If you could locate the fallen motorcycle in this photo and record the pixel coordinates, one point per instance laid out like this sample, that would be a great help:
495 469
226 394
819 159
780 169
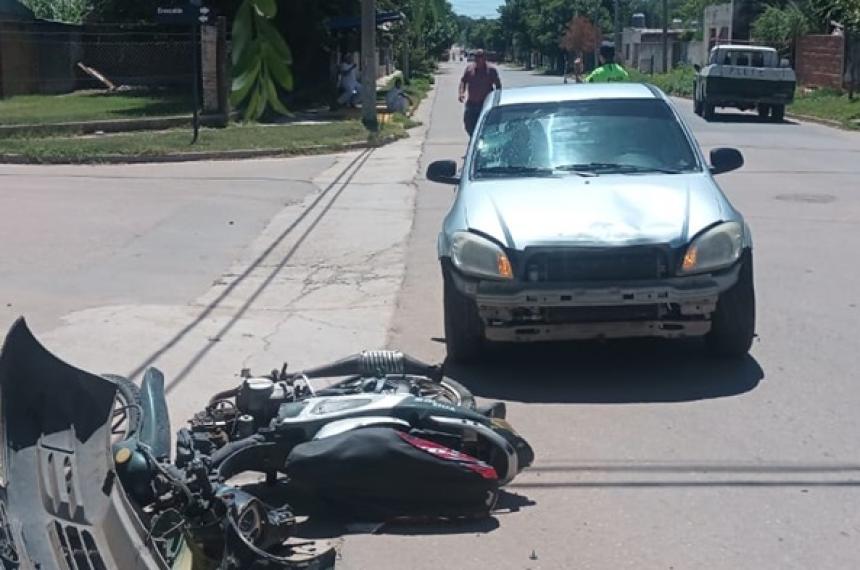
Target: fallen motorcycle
88 458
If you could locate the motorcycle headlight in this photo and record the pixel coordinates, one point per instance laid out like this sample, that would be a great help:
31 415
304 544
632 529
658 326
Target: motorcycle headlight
715 249
479 257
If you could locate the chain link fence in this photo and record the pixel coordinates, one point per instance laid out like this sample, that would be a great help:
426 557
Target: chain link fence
52 58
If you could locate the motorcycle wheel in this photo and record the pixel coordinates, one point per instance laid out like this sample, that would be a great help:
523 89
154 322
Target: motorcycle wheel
126 409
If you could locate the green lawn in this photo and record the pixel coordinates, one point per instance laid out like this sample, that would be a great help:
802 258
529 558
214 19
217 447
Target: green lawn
282 138
826 104
89 106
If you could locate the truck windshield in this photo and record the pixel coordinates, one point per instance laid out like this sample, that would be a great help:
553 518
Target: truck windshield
597 136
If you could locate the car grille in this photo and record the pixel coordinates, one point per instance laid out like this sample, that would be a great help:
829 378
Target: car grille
589 265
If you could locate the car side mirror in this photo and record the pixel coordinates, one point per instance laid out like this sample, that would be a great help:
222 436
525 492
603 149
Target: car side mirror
725 160
784 63
697 67
443 171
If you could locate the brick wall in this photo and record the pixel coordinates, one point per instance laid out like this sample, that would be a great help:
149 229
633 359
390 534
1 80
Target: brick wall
819 61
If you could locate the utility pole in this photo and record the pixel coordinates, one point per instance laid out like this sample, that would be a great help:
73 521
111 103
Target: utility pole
368 65
619 56
665 36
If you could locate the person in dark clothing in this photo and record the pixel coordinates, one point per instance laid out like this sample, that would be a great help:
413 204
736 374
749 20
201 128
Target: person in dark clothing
478 81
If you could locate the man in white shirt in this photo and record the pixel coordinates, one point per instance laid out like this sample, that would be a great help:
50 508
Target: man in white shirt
349 84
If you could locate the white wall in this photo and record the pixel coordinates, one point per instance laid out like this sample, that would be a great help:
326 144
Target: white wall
697 52
717 23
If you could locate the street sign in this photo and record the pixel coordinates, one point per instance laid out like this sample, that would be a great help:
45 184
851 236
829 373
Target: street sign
191 14
183 15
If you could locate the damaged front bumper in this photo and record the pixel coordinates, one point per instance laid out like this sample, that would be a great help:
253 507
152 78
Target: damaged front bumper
673 307
61 504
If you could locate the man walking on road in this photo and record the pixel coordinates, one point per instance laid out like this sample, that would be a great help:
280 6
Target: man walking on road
479 80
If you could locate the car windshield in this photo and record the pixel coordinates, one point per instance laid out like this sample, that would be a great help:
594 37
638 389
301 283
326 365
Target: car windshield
621 136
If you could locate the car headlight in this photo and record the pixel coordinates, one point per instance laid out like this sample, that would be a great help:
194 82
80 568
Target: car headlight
716 248
478 256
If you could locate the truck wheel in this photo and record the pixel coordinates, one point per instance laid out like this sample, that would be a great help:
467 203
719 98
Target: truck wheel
464 329
708 111
733 323
778 113
763 111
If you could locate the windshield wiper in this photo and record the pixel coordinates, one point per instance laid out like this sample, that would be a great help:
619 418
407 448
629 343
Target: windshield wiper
502 170
611 167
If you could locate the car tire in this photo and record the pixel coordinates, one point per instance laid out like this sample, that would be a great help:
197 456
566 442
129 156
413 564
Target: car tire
763 111
733 323
464 329
778 113
708 110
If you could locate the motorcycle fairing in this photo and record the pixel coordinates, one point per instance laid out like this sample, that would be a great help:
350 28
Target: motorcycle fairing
61 505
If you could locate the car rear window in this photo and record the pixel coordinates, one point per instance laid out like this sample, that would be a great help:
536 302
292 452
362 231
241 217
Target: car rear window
643 133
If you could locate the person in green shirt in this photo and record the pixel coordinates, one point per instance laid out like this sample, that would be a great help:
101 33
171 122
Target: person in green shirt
608 70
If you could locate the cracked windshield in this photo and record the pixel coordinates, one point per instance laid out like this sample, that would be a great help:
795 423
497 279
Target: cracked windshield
422 284
605 136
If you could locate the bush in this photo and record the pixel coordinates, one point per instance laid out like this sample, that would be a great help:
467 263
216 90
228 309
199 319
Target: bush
678 82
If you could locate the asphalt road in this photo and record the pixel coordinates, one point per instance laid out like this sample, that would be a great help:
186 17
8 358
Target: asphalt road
650 454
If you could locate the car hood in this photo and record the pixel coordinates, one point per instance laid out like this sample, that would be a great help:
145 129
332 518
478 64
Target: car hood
593 211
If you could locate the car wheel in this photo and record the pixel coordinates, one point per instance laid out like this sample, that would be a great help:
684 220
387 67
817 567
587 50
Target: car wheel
464 329
708 111
763 111
733 323
778 113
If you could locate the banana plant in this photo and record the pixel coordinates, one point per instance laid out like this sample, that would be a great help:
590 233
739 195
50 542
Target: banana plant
261 60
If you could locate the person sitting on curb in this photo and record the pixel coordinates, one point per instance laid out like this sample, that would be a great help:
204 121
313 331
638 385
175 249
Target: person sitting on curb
396 100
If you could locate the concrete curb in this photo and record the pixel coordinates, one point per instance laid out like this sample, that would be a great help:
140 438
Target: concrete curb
199 156
112 125
819 120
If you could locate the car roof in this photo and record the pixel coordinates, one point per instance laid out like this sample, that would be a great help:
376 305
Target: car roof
576 92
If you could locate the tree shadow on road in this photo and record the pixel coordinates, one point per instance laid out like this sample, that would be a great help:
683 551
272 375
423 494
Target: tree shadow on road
632 371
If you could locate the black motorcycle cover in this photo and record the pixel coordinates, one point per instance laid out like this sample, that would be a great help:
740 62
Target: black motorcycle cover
379 473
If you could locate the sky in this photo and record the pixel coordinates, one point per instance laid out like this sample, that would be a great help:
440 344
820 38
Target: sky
477 8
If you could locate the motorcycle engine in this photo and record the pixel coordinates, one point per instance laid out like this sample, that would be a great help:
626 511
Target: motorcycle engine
256 404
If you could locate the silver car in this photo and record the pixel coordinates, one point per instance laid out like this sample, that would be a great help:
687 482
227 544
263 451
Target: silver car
590 212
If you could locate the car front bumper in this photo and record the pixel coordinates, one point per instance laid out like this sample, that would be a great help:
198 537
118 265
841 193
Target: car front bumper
674 307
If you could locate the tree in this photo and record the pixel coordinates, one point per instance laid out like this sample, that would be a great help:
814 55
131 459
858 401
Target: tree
261 60
580 36
431 28
780 27
69 11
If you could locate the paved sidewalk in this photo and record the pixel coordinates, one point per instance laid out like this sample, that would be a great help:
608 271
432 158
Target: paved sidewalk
319 282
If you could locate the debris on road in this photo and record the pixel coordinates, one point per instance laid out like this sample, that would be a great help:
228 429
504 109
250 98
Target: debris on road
395 439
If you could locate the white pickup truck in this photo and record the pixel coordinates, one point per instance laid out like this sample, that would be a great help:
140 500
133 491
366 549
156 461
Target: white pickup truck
744 77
